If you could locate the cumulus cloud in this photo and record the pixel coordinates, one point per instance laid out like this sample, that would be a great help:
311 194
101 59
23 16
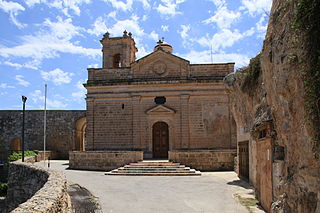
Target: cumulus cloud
154 36
54 38
13 9
223 17
34 64
199 57
220 40
57 76
165 28
254 7
64 5
184 31
21 81
80 94
38 98
127 4
169 7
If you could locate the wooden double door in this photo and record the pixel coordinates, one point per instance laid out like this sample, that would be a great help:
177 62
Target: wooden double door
160 139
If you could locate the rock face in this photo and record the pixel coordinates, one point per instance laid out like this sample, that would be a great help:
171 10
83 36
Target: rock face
277 94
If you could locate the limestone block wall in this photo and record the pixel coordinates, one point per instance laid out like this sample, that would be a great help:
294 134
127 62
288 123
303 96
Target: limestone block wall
61 125
108 74
102 160
211 69
205 160
34 189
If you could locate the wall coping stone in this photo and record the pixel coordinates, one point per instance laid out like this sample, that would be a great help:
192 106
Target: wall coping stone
51 198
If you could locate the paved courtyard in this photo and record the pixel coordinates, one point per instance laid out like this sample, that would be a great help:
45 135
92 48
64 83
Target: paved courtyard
211 192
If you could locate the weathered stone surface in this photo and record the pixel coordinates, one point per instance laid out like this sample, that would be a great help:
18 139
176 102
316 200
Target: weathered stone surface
34 189
205 160
61 126
280 90
102 160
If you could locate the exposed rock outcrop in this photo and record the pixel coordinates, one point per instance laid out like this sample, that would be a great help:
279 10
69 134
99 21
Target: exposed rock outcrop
279 92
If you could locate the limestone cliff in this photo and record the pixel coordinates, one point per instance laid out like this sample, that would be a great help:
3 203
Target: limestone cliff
282 85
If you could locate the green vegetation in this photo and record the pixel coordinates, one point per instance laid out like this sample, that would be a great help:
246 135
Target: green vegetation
3 189
18 155
247 202
307 22
250 80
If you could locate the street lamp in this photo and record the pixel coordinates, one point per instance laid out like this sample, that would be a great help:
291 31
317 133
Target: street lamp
24 99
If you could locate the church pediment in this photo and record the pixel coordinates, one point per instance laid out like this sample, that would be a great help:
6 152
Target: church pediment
160 110
160 64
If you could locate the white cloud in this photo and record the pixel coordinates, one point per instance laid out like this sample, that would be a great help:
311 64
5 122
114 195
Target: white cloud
57 76
224 38
219 3
199 57
184 31
223 17
169 7
63 5
113 15
13 9
154 36
120 5
99 27
53 39
256 6
81 92
127 4
93 66
38 98
21 81
5 86
165 28
34 64
262 25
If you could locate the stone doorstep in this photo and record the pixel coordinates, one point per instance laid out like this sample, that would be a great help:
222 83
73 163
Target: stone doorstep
155 171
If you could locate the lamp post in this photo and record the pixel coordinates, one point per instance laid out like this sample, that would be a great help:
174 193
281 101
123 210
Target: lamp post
24 99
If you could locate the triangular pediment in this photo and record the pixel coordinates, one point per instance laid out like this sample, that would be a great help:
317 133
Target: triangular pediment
160 54
160 110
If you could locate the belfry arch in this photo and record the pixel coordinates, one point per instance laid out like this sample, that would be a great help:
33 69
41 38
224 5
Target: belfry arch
80 134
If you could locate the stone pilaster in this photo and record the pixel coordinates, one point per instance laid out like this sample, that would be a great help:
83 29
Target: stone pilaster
136 124
184 122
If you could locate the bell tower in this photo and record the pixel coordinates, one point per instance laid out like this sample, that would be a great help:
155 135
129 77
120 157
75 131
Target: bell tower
118 51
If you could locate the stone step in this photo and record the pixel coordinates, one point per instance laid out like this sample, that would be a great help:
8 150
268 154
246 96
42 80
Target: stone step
156 174
154 171
154 168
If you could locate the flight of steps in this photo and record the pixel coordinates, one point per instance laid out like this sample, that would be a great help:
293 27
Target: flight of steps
154 168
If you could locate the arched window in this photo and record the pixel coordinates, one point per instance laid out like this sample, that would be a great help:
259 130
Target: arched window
116 60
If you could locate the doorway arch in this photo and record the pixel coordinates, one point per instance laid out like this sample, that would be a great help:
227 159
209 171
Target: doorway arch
80 138
160 140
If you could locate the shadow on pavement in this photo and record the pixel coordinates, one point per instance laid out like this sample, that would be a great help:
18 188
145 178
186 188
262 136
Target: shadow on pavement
241 183
82 201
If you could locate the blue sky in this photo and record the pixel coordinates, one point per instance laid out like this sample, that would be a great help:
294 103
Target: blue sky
53 42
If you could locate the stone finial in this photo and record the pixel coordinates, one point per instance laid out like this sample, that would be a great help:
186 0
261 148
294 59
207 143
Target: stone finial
125 34
106 35
159 42
130 35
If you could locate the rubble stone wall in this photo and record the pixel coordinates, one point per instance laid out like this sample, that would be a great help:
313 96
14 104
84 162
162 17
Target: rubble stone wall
205 160
61 126
34 189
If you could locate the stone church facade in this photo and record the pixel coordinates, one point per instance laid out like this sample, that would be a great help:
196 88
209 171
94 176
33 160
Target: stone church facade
158 104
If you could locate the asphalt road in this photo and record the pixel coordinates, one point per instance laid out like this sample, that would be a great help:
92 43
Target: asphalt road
210 193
